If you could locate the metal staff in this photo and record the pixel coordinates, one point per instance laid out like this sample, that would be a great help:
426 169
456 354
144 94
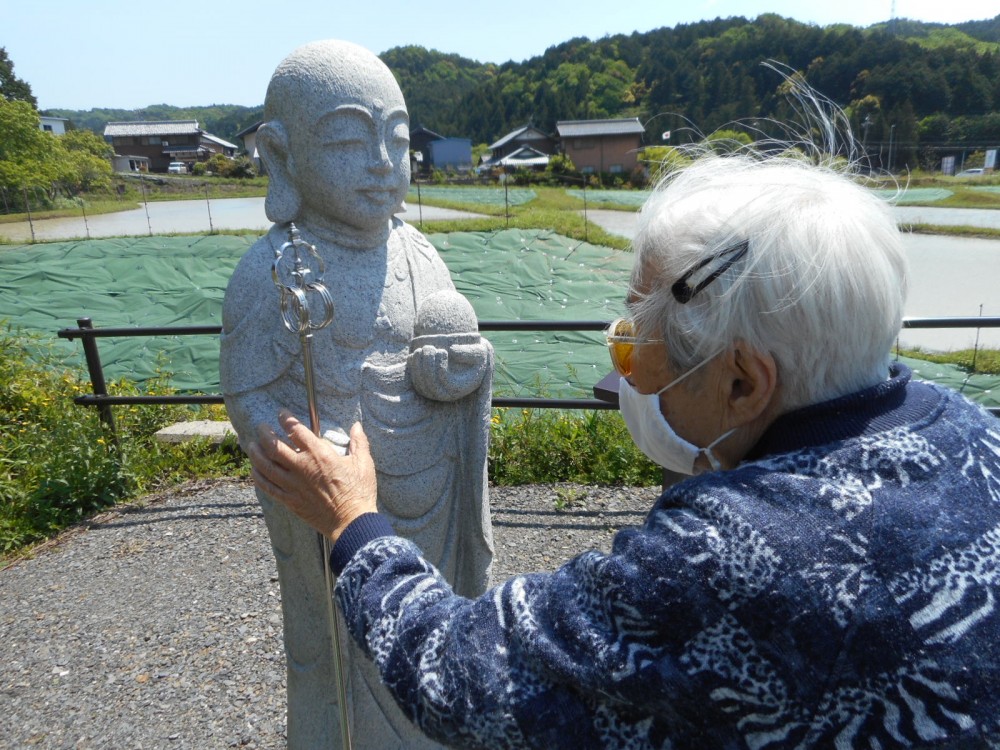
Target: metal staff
299 260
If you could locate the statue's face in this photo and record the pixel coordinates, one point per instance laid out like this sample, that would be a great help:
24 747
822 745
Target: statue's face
353 165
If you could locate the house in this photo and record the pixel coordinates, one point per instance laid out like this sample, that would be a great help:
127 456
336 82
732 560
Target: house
165 141
130 163
420 140
218 146
54 125
609 146
451 153
249 138
527 137
160 142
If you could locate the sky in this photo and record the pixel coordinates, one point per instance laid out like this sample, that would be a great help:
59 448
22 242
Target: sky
128 54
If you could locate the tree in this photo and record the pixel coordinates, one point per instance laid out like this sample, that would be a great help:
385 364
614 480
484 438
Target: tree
560 169
25 151
84 160
31 159
725 142
662 160
13 88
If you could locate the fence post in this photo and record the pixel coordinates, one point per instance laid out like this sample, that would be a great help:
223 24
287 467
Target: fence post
96 371
27 207
145 203
420 204
506 200
211 228
86 224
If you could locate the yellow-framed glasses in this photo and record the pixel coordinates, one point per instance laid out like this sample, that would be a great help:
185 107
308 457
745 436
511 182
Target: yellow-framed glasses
622 341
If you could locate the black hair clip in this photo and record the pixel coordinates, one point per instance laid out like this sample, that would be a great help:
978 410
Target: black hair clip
683 292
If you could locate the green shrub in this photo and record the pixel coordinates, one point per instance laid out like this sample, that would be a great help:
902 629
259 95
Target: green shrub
219 165
524 176
242 168
529 446
638 178
60 463
560 168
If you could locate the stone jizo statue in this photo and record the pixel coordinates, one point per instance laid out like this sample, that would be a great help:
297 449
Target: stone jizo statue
402 354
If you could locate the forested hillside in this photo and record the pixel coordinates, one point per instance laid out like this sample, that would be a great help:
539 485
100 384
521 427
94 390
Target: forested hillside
923 95
926 88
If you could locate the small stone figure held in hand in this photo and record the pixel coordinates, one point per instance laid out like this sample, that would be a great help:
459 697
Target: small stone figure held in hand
402 355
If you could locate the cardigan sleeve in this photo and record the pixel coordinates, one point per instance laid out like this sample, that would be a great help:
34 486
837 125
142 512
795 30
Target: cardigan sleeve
585 656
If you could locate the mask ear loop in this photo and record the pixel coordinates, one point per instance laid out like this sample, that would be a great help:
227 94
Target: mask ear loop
694 369
707 450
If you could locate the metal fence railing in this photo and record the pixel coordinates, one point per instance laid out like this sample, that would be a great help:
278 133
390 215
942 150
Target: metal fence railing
104 401
605 391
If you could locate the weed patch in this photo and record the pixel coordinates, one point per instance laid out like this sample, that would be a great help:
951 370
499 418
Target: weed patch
61 464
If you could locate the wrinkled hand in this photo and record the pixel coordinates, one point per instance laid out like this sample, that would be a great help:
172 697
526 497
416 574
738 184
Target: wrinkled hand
309 477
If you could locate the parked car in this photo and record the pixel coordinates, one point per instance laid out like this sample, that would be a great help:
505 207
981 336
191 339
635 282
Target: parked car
970 173
177 167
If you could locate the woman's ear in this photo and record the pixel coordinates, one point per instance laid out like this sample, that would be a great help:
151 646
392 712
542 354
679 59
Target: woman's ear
283 201
752 383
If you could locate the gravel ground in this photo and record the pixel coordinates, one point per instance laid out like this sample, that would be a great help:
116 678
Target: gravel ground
159 626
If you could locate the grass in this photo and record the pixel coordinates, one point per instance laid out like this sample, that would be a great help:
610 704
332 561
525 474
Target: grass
532 446
955 231
553 208
60 463
964 196
977 362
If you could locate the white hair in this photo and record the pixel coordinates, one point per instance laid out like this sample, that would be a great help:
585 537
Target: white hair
821 286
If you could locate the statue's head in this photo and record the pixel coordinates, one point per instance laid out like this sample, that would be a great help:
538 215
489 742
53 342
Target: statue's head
335 138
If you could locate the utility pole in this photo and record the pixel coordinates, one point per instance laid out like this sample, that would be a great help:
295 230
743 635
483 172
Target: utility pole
892 132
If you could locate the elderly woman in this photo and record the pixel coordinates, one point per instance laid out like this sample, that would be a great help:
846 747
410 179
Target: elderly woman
828 576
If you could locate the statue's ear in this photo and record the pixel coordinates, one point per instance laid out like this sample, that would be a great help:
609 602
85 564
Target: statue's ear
283 200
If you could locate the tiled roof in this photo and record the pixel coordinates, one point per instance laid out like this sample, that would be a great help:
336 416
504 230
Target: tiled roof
517 134
579 128
250 129
422 131
509 137
169 127
216 139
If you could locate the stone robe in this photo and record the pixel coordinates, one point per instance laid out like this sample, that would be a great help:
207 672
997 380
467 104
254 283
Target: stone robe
430 455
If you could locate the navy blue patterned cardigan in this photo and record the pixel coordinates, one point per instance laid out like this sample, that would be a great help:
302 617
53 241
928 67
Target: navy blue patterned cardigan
837 589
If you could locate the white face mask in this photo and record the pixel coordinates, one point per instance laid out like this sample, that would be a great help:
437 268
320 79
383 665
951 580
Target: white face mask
654 436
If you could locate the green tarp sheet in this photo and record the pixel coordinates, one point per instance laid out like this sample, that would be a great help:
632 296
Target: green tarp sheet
179 281
172 281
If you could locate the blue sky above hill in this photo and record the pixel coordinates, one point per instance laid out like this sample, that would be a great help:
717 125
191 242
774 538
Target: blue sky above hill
110 54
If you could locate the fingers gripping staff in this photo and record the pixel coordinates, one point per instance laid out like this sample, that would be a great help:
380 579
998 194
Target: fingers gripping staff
297 272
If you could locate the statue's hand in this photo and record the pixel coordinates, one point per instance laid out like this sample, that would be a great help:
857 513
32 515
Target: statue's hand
448 367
